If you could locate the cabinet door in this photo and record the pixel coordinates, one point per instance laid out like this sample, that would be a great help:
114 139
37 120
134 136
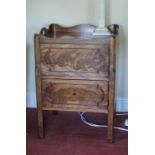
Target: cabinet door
75 94
75 61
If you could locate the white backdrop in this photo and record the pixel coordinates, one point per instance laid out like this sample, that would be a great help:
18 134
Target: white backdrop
70 12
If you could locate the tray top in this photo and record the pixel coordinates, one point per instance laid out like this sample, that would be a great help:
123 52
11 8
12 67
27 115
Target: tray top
81 31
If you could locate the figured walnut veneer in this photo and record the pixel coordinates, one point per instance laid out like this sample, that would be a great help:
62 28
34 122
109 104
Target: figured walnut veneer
74 93
75 62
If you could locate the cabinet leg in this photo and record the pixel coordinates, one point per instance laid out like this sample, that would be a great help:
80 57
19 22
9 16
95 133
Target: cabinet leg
110 128
40 124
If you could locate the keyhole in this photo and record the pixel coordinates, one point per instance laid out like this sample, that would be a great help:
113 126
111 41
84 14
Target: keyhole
74 93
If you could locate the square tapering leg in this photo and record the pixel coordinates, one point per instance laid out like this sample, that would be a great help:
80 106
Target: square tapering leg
110 128
40 124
